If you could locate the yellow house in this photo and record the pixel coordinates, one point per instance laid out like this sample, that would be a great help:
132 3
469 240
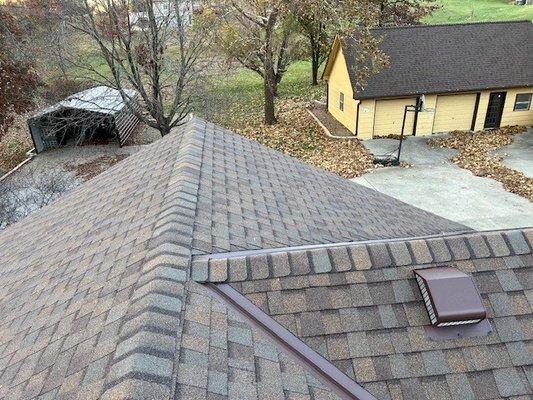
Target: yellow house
448 77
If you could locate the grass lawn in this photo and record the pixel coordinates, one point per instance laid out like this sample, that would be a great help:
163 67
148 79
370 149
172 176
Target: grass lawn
455 11
235 99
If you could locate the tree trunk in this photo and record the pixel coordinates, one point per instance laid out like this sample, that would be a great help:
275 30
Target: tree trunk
381 21
315 64
315 55
164 129
270 77
270 95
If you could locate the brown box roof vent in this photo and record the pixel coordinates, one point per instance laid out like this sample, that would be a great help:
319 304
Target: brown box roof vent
450 296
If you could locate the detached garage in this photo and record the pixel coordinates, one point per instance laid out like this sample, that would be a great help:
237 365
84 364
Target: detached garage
466 77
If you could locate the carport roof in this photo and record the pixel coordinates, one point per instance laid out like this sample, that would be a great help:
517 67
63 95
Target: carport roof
448 58
101 99
98 298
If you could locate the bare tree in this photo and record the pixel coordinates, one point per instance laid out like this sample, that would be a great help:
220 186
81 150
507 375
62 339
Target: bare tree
257 33
156 51
314 19
8 206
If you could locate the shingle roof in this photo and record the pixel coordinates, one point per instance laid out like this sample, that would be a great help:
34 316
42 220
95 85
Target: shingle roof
221 355
449 58
359 306
97 299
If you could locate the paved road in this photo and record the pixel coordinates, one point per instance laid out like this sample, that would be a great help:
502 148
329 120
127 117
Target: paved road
435 184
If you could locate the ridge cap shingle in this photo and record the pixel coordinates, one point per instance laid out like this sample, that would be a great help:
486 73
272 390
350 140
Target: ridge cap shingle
146 351
374 254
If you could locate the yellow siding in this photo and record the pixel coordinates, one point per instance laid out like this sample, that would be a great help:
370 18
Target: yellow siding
510 117
365 126
482 110
424 125
339 82
454 112
388 116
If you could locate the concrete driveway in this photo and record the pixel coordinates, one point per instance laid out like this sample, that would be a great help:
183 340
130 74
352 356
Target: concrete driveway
519 154
435 184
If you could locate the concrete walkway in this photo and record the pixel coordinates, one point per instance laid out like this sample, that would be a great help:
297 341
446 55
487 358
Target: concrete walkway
435 184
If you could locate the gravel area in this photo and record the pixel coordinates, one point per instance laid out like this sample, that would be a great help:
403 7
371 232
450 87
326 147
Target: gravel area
51 174
69 158
144 134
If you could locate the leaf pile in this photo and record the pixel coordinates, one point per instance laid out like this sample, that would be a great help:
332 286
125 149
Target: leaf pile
298 135
394 136
475 155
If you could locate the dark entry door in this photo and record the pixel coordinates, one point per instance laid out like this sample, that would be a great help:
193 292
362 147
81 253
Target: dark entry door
495 110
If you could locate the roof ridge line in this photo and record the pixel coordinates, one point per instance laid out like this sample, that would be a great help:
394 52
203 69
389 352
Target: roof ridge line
444 235
445 248
144 361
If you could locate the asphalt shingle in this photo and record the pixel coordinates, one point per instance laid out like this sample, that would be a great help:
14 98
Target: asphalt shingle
104 305
374 322
444 57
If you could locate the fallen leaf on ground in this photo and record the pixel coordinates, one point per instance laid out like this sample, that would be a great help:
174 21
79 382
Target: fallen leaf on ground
475 155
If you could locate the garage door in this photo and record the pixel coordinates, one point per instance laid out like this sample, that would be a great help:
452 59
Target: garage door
389 115
454 112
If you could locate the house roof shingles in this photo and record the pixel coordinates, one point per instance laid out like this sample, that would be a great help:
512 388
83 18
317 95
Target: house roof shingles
359 306
448 58
97 299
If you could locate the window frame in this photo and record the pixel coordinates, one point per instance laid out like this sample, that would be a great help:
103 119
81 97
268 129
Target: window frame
341 101
528 102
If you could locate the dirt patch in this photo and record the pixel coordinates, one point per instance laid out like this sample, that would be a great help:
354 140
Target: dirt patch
475 155
298 135
334 127
90 169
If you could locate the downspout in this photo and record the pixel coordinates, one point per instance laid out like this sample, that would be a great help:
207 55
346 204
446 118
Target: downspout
417 106
357 118
327 95
474 117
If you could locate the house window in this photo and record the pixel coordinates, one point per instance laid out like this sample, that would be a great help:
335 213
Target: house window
341 101
522 102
